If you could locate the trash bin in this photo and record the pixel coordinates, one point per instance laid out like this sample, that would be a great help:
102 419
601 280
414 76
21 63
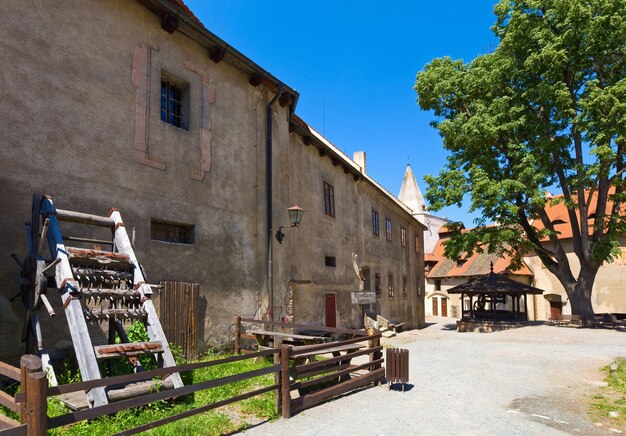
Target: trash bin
397 366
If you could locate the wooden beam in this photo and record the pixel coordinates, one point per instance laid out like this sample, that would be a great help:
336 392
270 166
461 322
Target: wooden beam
255 80
216 54
322 152
169 23
335 161
284 100
307 140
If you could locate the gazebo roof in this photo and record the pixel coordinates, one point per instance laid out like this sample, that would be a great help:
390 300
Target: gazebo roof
494 284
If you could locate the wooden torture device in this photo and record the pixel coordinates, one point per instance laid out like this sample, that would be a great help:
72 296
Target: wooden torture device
95 285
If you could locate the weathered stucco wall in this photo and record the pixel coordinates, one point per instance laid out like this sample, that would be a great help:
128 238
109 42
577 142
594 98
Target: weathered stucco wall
301 257
70 127
81 122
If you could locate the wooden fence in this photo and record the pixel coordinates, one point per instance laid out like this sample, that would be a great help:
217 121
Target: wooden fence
294 367
311 378
178 308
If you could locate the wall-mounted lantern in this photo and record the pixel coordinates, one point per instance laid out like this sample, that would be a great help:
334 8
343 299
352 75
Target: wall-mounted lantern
295 216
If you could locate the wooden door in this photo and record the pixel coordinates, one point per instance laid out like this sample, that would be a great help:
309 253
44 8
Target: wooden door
444 307
435 307
555 309
331 310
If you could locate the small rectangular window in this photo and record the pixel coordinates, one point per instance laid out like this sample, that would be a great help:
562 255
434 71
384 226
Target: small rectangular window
405 287
172 232
329 199
174 101
417 244
367 282
375 228
388 228
378 287
330 261
403 236
390 287
438 285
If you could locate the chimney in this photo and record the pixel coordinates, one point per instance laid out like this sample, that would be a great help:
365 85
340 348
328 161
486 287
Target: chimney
359 158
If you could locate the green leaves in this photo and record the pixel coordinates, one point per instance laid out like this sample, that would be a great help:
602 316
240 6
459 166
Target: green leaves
545 110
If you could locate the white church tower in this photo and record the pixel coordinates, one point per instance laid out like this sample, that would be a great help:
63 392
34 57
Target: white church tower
411 196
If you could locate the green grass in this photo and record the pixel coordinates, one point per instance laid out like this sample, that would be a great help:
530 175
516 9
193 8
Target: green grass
234 417
609 407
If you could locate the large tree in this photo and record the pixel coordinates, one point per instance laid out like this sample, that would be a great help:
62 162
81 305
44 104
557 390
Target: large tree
546 110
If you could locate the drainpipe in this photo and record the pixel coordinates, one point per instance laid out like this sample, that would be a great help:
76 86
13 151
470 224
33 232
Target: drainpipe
268 189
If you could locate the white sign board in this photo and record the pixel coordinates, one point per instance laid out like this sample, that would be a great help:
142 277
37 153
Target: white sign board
363 297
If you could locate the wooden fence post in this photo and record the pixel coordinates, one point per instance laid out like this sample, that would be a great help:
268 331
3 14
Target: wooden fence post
285 387
28 363
278 343
36 404
34 383
237 334
373 343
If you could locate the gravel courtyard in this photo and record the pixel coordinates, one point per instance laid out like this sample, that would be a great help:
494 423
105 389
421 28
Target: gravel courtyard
535 380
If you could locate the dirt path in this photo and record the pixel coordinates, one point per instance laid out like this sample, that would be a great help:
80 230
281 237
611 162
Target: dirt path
530 381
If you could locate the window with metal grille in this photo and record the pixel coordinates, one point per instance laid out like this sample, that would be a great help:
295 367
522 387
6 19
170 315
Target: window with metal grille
172 232
377 286
375 228
329 199
405 287
174 101
403 236
388 228
390 287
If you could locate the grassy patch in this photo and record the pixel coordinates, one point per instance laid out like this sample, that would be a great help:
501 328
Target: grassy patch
224 420
609 407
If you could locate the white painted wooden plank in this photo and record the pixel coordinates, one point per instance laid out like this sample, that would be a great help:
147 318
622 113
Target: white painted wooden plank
155 330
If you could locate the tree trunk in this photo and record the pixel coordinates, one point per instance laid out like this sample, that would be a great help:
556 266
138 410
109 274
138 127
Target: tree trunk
579 292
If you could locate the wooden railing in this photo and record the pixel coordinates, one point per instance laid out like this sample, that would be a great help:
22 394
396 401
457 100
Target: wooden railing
31 401
295 368
300 371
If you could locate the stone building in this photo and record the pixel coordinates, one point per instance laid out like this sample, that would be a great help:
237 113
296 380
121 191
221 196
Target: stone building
442 273
136 105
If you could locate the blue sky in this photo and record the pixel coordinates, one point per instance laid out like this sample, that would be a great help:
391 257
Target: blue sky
354 65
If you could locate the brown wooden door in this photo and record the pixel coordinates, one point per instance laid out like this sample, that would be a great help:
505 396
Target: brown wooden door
331 310
555 309
444 307
435 307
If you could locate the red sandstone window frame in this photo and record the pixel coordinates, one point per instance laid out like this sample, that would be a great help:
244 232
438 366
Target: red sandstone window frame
390 285
405 287
402 236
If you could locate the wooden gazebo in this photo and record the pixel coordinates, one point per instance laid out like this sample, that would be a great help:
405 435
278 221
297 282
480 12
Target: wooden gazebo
488 300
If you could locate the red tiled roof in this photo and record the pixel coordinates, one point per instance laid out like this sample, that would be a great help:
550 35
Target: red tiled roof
476 265
558 215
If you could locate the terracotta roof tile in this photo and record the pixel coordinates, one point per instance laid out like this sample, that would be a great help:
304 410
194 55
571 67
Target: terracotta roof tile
185 9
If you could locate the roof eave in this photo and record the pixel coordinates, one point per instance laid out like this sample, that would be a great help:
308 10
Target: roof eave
197 32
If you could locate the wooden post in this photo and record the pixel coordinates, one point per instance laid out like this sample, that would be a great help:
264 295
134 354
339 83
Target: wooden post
237 334
278 343
285 387
29 363
36 404
372 343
